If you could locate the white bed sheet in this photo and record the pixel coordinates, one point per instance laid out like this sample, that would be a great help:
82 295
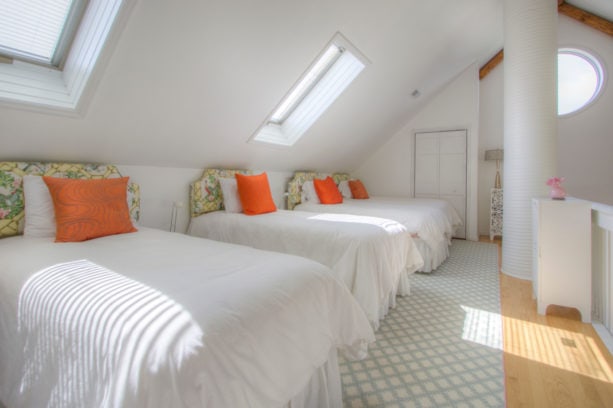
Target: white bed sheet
434 221
373 256
157 319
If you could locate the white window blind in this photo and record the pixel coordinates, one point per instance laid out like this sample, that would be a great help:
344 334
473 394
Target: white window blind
37 30
307 83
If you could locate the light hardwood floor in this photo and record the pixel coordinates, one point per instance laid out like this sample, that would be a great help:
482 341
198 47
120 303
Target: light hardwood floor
553 360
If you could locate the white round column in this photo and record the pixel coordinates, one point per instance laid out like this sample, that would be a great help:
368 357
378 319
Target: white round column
530 122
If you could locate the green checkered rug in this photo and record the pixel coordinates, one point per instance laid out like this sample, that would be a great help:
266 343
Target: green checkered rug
442 345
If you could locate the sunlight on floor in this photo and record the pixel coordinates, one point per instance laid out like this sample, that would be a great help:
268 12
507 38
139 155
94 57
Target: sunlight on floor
556 347
482 327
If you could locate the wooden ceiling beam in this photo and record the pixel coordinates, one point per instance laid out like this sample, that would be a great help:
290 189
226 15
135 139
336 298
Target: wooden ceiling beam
592 20
491 64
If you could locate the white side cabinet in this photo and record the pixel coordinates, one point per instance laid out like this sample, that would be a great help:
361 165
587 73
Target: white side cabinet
561 269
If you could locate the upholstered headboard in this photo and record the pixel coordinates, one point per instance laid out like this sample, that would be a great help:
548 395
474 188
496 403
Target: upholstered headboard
11 188
294 186
205 193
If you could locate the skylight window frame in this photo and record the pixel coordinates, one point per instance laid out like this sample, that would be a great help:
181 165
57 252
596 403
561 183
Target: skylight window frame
330 84
73 22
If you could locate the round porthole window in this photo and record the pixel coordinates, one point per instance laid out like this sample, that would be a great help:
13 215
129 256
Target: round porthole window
580 79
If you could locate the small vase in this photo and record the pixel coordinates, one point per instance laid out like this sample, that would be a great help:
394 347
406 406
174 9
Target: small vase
557 192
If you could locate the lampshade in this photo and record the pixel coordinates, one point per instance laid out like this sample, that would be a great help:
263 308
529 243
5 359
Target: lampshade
496 154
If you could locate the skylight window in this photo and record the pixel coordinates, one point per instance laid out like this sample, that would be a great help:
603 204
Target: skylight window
50 50
580 80
38 31
336 67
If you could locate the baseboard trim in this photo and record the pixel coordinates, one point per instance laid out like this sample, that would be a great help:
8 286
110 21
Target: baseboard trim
604 335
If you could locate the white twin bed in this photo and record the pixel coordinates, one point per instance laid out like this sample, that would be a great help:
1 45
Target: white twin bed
431 222
372 256
157 319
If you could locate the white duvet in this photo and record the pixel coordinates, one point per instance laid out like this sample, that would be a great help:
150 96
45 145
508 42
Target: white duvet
373 256
155 319
431 221
434 221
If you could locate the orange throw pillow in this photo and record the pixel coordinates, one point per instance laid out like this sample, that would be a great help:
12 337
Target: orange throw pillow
327 191
357 189
87 209
254 192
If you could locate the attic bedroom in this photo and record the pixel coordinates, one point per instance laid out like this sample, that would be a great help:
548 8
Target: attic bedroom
306 204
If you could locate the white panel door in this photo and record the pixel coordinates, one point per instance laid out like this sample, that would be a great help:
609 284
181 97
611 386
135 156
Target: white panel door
440 169
427 165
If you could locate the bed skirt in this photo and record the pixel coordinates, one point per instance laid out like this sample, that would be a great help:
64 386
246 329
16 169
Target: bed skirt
324 388
433 258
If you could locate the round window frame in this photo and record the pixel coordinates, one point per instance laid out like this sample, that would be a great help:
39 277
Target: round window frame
599 68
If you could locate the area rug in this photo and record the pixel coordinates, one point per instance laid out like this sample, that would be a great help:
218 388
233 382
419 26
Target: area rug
442 345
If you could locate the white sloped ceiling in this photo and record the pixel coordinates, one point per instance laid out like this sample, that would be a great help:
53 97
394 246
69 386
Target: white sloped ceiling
189 82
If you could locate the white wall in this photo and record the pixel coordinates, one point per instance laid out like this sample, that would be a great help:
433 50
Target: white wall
389 170
585 143
162 186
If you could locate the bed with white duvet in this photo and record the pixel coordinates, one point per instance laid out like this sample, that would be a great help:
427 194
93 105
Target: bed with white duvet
372 256
431 222
155 319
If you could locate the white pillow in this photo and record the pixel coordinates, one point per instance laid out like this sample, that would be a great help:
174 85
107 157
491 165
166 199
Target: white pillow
39 212
309 193
344 188
231 199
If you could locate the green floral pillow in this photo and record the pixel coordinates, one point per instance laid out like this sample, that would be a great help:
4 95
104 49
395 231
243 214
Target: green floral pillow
11 204
205 194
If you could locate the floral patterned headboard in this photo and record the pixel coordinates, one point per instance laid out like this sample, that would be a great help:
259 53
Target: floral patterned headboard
11 188
205 193
294 186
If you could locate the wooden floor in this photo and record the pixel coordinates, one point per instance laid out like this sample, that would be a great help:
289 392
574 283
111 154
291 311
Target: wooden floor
553 360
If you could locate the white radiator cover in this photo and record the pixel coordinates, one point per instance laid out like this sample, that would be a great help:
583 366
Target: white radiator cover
602 269
530 122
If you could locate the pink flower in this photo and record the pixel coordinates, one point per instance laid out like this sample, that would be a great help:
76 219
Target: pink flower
3 213
554 181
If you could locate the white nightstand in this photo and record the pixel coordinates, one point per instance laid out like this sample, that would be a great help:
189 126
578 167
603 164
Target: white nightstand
495 212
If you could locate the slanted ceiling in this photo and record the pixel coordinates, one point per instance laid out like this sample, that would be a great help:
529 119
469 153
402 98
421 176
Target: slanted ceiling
187 84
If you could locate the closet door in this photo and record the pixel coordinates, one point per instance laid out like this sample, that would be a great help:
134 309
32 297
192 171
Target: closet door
440 169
